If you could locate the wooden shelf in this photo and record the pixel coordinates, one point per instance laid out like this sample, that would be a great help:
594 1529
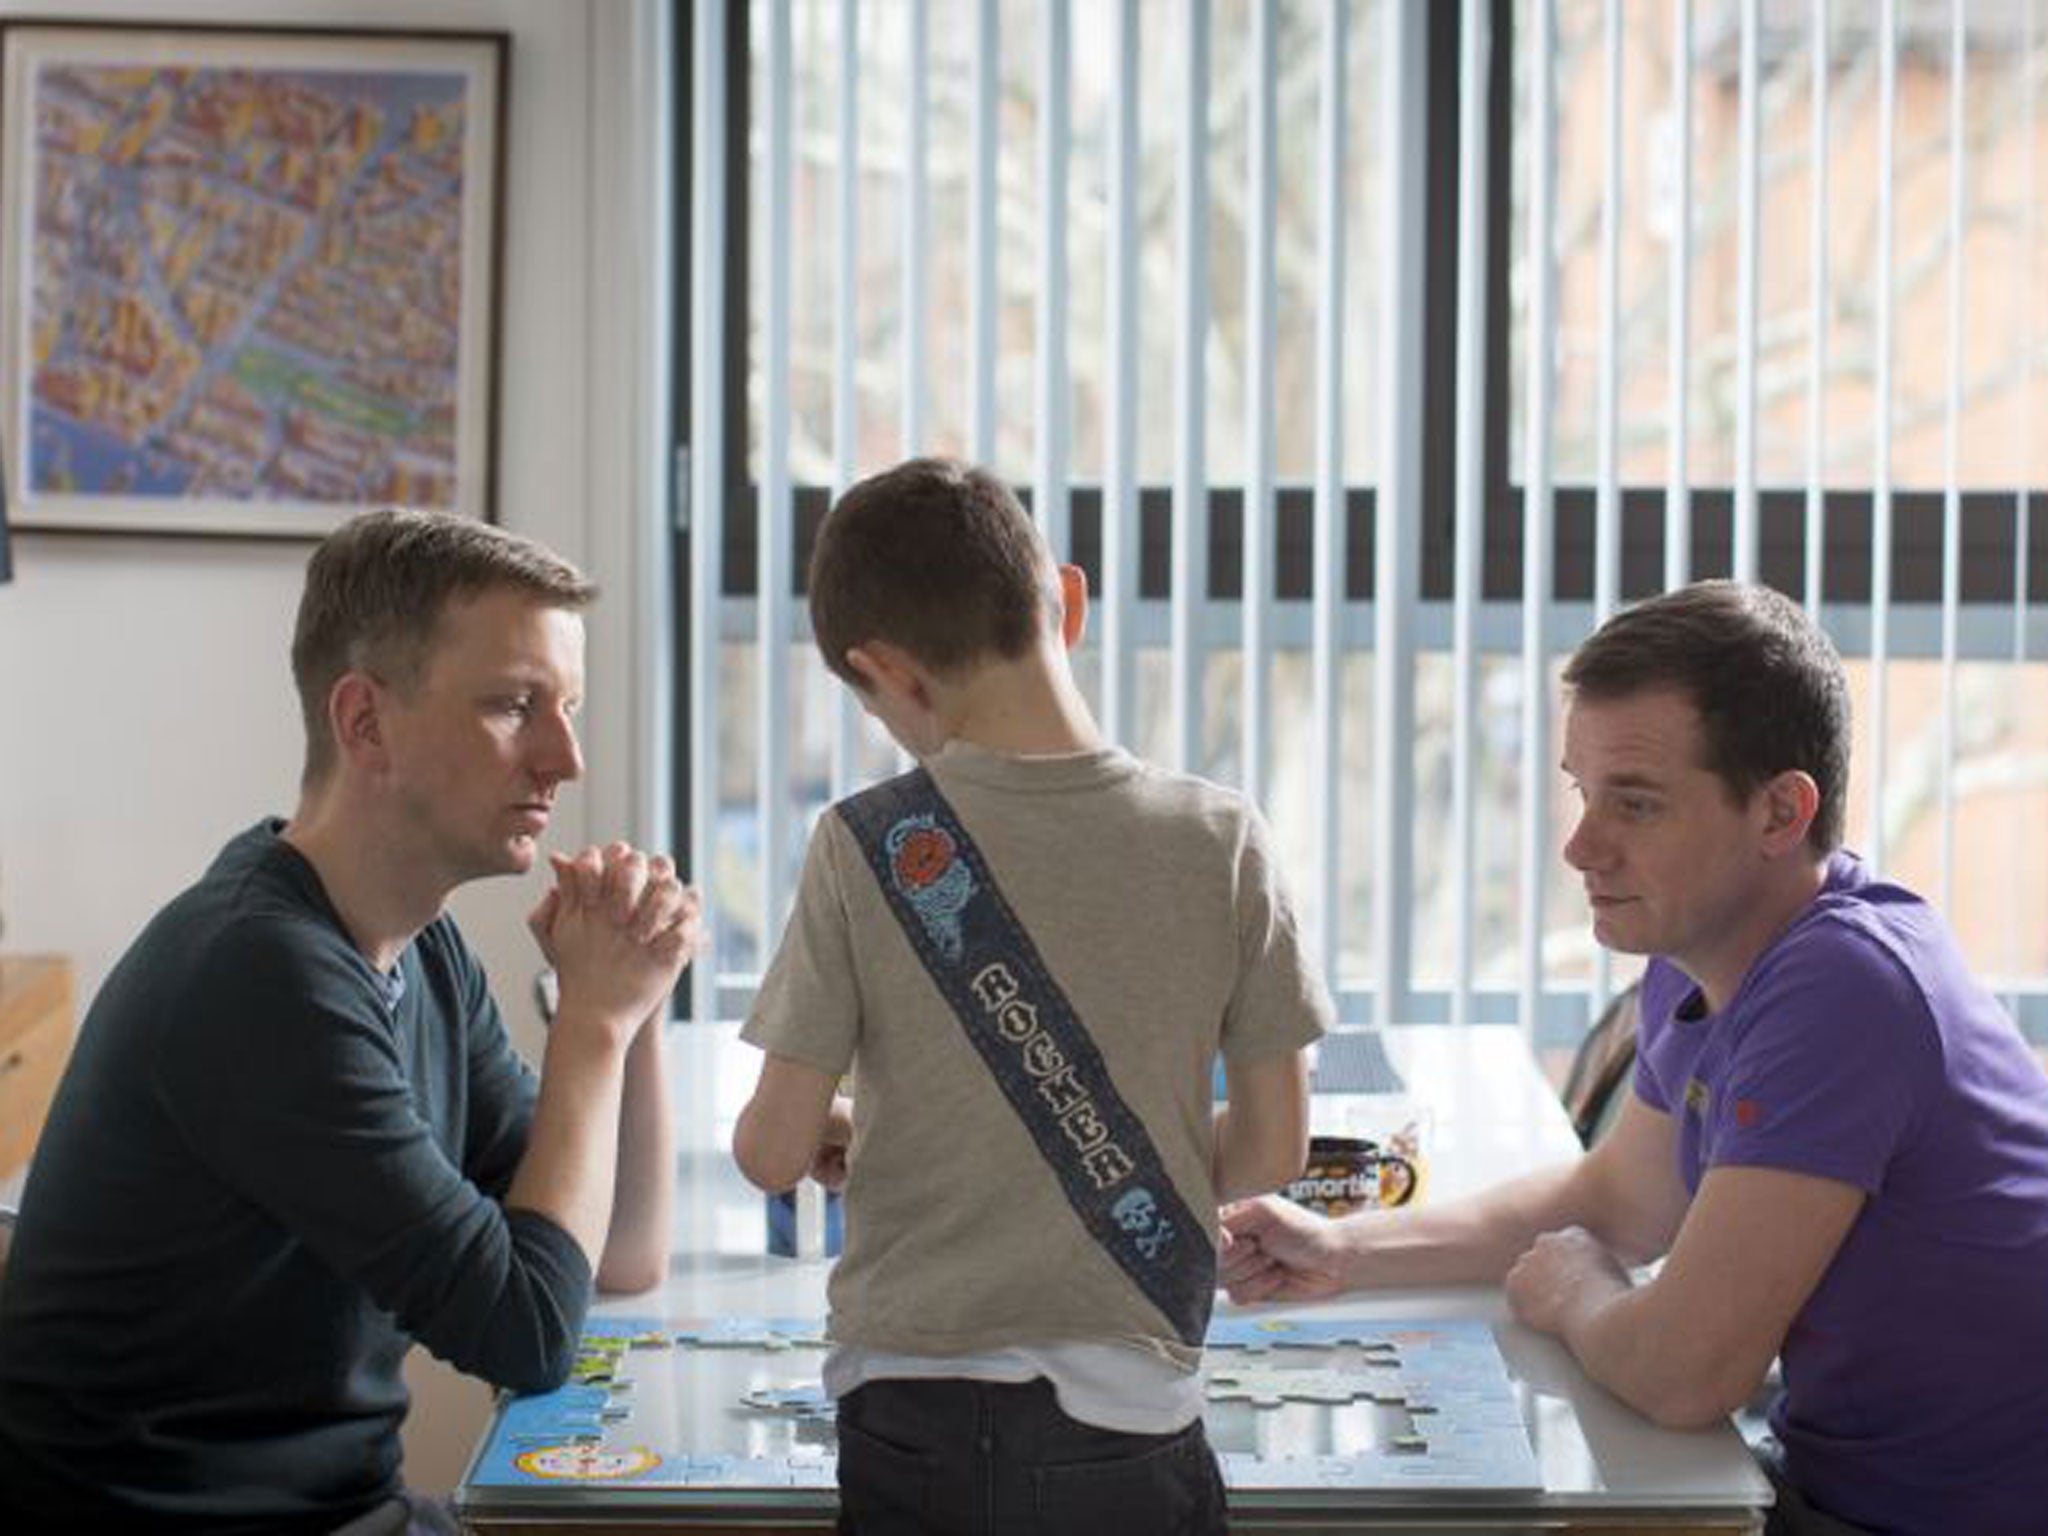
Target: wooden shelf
35 1041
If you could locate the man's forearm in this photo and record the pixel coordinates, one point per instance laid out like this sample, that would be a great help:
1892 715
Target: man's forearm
1615 1332
570 1168
1474 1240
636 1247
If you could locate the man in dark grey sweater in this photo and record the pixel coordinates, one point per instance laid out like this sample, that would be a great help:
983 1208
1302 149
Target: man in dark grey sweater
294 1138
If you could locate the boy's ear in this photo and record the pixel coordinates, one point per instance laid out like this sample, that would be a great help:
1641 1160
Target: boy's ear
1073 605
885 669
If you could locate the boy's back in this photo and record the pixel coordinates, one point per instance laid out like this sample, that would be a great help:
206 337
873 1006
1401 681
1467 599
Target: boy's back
1029 951
1151 899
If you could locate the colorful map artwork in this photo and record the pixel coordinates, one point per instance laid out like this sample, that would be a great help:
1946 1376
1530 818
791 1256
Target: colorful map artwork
247 284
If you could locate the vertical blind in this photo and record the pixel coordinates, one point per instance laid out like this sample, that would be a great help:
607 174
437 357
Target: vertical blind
1718 287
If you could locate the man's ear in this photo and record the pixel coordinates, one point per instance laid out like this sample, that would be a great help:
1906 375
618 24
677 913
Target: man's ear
355 707
1790 802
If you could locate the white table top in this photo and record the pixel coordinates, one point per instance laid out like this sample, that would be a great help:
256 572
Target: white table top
1488 1112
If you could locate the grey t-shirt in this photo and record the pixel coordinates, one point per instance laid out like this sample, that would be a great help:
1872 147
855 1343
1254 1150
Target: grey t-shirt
1153 899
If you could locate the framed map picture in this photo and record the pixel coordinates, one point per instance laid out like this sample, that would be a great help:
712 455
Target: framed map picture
248 278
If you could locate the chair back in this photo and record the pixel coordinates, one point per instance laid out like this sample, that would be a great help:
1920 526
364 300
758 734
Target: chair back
1599 1080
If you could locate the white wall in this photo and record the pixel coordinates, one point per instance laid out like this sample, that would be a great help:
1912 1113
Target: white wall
146 709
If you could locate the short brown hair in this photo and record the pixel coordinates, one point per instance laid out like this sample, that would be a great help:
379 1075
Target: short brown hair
934 556
1768 685
376 589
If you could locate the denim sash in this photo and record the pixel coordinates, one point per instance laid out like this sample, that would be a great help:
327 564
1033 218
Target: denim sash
1039 1052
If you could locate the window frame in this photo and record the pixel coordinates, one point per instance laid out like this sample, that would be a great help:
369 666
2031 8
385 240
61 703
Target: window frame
1986 577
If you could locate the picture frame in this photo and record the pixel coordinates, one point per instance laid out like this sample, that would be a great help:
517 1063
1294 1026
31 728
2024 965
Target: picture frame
249 276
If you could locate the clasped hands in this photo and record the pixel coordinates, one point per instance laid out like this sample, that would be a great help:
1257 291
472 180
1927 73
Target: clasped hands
618 926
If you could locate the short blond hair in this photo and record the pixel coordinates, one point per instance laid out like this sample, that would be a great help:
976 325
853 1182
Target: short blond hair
375 592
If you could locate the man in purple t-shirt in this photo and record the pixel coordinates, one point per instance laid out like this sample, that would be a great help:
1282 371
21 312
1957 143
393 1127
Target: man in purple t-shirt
1837 1143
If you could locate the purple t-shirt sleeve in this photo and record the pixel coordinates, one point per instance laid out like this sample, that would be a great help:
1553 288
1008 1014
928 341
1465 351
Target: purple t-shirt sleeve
1830 1045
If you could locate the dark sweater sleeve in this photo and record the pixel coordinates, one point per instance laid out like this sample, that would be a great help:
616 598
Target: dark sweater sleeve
499 1087
291 1085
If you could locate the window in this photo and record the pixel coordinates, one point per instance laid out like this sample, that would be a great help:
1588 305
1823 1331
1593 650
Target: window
991 228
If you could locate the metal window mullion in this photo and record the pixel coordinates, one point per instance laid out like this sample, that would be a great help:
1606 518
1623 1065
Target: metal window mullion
846 264
1054 145
1329 516
1120 519
1262 176
916 219
1817 348
1678 495
1474 70
1607 502
845 348
2018 856
1607 506
707 459
654 521
772 554
1190 585
983 299
1749 154
1881 483
1397 519
1952 496
1537 516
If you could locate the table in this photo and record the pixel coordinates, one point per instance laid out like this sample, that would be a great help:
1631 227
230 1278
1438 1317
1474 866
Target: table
1604 1468
35 1042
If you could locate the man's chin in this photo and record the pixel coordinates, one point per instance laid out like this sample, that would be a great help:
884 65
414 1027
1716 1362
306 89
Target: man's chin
1614 936
517 856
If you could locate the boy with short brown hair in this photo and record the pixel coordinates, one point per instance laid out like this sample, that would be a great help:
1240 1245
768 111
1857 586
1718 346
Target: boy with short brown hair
1031 949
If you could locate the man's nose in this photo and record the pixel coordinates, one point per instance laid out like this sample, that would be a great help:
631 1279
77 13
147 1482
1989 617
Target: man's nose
1582 849
560 757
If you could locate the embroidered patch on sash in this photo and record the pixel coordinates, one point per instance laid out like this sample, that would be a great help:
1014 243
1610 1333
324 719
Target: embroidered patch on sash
925 868
1138 1213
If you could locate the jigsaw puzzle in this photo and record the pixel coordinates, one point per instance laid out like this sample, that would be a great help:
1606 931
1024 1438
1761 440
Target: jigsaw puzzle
770 1333
734 1403
805 1402
1266 1387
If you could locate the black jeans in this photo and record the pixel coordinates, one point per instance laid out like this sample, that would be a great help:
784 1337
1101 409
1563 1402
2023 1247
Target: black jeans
405 1514
1791 1515
983 1458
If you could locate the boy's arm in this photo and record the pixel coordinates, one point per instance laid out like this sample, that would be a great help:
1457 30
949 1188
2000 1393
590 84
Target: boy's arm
784 1124
829 1167
1262 1131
